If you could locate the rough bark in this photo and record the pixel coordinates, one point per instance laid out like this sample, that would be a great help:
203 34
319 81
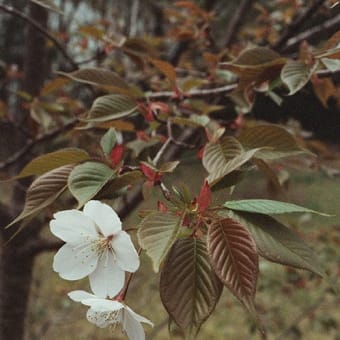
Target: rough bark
16 266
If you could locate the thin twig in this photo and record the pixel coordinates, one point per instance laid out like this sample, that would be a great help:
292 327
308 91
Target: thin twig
161 151
174 140
323 30
193 93
236 21
296 24
38 27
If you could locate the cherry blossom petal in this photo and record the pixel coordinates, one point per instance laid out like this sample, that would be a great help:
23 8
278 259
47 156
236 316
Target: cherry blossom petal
138 317
100 319
74 262
104 216
80 295
126 254
108 278
73 225
103 305
132 327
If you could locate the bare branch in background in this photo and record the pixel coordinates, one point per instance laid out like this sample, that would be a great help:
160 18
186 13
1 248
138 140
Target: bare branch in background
42 30
296 24
134 18
318 32
193 93
236 21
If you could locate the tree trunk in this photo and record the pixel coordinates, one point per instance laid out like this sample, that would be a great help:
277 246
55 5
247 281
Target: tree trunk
16 265
16 274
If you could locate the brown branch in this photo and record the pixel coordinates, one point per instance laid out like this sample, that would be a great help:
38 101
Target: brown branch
42 30
323 30
193 93
172 138
296 24
236 21
33 142
168 153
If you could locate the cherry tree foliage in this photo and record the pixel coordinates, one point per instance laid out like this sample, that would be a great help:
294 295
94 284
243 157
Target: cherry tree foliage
147 113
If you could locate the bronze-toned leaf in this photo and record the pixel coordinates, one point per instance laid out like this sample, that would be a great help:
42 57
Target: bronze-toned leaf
52 160
234 258
274 141
111 107
165 67
189 287
44 191
256 65
99 77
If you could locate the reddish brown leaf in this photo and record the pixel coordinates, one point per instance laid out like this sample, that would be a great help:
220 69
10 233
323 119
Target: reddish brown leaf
234 258
150 173
189 288
204 198
116 154
166 68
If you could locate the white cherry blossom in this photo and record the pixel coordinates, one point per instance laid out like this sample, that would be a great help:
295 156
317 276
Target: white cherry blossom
95 245
105 312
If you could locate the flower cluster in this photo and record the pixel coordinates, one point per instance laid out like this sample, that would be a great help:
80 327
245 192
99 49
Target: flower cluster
96 246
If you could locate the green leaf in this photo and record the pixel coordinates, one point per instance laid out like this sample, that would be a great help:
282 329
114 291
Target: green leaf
86 180
49 4
189 288
296 74
157 233
44 191
111 107
194 120
269 207
168 166
99 77
52 160
275 141
234 258
220 159
332 65
108 141
276 243
138 145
